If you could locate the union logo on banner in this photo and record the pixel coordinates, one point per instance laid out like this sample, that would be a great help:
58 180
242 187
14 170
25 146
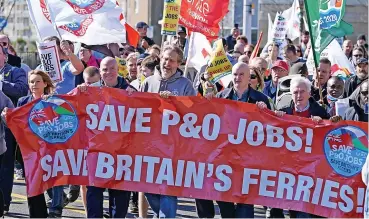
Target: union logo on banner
78 28
85 6
54 120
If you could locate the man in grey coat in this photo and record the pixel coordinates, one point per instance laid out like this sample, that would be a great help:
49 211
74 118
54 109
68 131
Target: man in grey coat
167 80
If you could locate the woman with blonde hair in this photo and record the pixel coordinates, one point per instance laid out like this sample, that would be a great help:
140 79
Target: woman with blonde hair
40 84
257 82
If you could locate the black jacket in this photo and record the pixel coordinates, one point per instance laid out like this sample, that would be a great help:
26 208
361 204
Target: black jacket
350 85
253 96
315 93
315 109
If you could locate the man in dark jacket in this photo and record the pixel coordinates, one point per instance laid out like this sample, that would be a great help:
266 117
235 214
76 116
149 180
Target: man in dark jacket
359 109
231 39
240 91
324 73
361 74
13 82
13 60
119 199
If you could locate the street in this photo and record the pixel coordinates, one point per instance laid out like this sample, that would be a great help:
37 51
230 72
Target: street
19 208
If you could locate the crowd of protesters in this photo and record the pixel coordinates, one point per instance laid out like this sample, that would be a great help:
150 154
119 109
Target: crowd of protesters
275 80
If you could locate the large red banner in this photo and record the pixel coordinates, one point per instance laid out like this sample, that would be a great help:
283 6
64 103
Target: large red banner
192 147
203 16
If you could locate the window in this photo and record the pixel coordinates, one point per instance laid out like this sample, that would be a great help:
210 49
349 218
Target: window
19 20
25 7
25 21
137 6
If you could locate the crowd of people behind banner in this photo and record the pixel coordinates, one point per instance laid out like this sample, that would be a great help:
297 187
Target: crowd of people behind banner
151 68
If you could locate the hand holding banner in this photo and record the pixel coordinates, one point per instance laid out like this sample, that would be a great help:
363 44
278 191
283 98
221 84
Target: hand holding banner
50 61
191 147
219 65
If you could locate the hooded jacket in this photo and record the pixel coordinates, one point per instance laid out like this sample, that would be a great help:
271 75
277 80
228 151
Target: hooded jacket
356 112
176 84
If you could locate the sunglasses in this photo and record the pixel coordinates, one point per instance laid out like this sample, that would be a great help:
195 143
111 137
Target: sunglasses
358 55
248 52
252 76
298 50
3 43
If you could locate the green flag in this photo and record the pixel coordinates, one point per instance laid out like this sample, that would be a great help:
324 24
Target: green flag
325 18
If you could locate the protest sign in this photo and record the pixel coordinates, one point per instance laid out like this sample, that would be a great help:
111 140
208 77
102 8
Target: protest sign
170 17
203 16
219 65
279 29
122 67
191 147
50 61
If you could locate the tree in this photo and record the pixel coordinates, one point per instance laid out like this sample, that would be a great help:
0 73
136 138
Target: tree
21 43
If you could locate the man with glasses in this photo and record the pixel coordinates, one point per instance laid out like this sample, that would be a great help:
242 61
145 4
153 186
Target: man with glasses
361 75
248 50
280 69
357 54
12 59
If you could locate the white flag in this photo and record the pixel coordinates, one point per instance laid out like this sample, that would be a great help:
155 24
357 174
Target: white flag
40 17
199 51
341 66
293 16
92 22
270 29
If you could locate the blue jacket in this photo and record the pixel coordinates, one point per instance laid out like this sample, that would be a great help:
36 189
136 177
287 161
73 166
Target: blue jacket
267 90
24 100
14 83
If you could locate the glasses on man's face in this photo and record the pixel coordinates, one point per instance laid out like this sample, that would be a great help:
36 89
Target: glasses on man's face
3 43
252 76
248 53
298 50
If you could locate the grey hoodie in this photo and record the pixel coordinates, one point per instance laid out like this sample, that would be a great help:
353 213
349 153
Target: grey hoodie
177 84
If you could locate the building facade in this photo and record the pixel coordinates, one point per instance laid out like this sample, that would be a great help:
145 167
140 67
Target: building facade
19 22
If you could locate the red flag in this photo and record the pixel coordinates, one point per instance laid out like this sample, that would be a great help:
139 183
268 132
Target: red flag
132 35
203 16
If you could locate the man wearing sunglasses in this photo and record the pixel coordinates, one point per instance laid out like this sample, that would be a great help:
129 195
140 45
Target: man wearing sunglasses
12 60
361 75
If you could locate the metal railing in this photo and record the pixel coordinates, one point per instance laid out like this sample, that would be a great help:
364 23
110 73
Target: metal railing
30 58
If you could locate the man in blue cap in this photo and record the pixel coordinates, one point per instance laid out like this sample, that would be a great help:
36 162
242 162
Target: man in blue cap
141 28
361 75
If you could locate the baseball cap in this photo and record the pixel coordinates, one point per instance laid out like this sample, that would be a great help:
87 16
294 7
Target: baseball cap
281 64
361 61
181 29
299 68
361 37
141 24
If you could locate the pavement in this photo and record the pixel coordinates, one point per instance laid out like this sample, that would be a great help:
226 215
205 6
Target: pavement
19 207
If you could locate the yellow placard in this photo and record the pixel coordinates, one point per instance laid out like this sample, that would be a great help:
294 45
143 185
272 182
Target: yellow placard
171 12
122 67
219 65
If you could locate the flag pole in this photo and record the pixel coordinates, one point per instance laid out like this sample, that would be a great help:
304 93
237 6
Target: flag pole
256 49
312 48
